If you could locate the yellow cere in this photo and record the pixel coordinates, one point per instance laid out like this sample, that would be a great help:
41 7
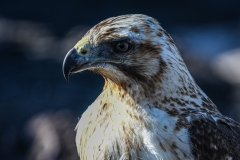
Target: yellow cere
83 44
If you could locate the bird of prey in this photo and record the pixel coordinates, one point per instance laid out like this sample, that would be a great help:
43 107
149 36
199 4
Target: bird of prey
150 107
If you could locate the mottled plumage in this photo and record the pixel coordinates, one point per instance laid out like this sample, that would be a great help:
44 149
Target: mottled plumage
150 107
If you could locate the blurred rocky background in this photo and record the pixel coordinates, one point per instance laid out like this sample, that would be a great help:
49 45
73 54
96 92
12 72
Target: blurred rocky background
39 109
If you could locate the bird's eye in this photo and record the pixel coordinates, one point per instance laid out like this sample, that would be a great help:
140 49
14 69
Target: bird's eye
122 46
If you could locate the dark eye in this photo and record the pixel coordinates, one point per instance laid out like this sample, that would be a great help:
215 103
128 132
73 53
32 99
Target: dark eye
122 46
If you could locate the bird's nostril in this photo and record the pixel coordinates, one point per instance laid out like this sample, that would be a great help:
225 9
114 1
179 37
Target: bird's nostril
83 52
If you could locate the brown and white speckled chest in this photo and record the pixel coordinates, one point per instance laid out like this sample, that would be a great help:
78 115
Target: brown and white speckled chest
114 127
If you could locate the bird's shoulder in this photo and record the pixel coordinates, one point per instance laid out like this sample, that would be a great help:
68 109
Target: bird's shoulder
214 136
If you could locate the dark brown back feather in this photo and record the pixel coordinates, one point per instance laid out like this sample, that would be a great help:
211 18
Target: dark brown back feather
215 140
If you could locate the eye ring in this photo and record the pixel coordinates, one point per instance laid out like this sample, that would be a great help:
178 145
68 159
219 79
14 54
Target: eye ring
122 46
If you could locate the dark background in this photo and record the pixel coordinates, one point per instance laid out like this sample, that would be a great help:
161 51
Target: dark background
39 109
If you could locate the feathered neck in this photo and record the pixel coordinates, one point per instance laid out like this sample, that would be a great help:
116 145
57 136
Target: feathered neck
172 88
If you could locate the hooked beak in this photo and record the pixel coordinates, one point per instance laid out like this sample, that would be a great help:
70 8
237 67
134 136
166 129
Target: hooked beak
73 63
76 62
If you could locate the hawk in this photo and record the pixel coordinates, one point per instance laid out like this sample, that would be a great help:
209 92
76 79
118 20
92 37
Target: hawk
150 106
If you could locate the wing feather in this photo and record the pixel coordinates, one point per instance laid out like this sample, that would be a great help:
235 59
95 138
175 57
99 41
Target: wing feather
215 139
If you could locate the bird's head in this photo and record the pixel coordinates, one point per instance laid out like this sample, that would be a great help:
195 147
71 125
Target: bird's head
124 48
